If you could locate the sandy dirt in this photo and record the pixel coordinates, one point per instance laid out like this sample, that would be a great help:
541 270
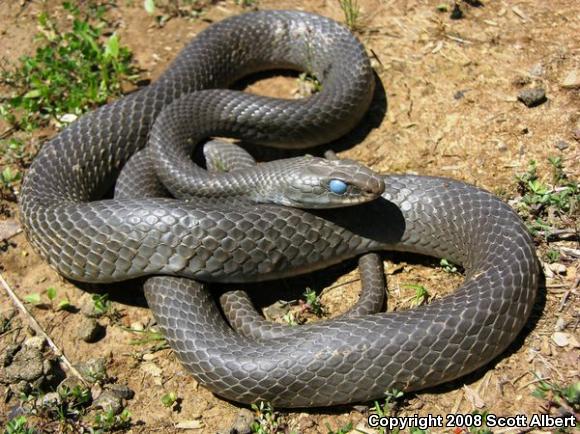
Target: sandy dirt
451 110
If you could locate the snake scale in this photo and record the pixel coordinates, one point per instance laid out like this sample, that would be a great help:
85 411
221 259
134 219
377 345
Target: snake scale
88 238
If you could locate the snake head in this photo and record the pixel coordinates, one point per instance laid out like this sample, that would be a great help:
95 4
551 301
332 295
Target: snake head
312 182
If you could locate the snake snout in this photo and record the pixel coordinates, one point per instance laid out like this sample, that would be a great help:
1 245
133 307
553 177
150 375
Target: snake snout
321 183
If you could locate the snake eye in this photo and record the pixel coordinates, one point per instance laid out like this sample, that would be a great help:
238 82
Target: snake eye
337 186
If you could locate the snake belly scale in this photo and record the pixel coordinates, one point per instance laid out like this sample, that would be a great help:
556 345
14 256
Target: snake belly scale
90 239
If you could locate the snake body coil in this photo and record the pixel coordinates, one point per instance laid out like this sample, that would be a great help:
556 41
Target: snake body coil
342 360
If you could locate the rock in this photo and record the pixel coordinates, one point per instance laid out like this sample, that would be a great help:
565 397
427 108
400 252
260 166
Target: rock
456 13
8 355
562 145
93 370
189 424
533 97
560 324
88 307
108 401
37 342
26 364
9 228
89 330
50 399
537 70
68 384
276 310
243 422
561 339
558 268
137 326
502 147
121 390
572 80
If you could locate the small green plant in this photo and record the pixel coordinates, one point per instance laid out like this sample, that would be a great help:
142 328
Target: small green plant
558 173
70 72
169 399
351 11
342 430
552 256
312 302
393 397
108 421
102 306
555 394
290 319
311 81
267 420
9 177
447 266
35 299
247 3
421 294
18 425
483 428
540 202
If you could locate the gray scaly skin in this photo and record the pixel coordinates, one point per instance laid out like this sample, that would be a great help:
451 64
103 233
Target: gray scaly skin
340 361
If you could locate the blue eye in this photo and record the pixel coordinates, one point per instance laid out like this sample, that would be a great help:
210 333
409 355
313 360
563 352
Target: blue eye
337 186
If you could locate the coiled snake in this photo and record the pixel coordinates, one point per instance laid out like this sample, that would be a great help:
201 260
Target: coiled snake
345 360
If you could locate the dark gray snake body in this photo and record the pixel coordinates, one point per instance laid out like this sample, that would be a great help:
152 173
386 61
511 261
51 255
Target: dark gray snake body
343 360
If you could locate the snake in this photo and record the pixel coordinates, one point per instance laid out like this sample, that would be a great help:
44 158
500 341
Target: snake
71 219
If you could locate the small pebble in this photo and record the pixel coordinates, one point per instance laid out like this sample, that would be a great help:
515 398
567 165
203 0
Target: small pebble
456 13
562 145
88 307
26 365
189 424
558 268
532 97
537 70
121 390
571 81
137 326
502 147
89 330
560 324
36 342
561 339
50 399
243 422
109 401
474 3
93 370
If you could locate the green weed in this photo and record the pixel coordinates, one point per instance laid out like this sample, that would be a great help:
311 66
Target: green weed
108 421
36 299
169 399
267 420
448 267
71 72
393 398
553 393
421 294
18 425
342 430
351 11
312 302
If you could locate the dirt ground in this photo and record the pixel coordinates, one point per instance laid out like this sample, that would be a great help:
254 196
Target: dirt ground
451 89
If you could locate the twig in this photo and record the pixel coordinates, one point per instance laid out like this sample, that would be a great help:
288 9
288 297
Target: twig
537 380
39 330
